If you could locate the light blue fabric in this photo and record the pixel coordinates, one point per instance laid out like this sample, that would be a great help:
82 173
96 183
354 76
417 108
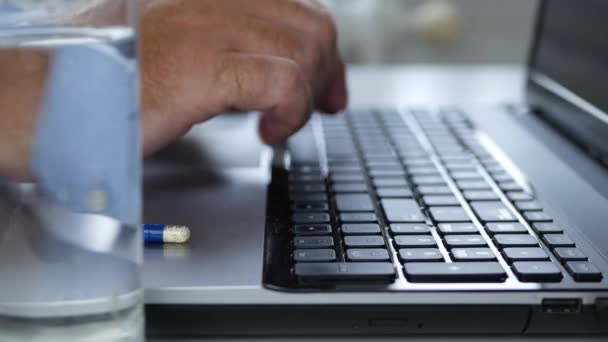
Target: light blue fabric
88 132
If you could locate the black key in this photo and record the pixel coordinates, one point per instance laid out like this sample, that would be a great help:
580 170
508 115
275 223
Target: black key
314 255
364 241
360 228
354 202
473 185
415 241
457 228
525 254
583 271
537 216
434 190
394 192
509 186
305 197
420 255
546 228
536 271
528 206
316 229
306 188
347 178
409 229
306 178
389 182
313 242
506 228
358 218
471 272
402 210
428 180
350 188
502 177
569 254
480 195
557 240
309 206
327 271
493 212
309 218
466 175
440 200
515 240
449 214
386 173
367 254
453 241
421 170
472 254
519 196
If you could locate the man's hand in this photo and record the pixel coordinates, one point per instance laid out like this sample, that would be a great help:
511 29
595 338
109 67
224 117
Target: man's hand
204 57
199 58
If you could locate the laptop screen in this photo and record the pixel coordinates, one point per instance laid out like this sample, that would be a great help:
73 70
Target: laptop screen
570 62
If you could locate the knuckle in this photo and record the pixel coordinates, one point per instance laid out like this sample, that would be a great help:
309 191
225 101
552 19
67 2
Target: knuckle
291 78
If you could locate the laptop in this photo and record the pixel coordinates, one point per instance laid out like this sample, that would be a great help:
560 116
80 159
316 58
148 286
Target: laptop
388 221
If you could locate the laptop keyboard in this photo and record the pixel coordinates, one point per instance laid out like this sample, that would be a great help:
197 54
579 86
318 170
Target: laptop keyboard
382 195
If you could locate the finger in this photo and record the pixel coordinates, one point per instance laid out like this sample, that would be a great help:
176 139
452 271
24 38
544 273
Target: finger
336 98
274 86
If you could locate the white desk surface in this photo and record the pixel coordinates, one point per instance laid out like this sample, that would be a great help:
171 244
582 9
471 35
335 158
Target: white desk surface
424 85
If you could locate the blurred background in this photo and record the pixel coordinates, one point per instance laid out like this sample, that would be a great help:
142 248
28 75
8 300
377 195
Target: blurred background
434 31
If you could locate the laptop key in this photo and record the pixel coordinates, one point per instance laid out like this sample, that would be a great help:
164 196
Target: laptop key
409 229
569 254
546 228
583 271
415 241
537 216
528 206
525 254
307 218
493 212
313 242
480 195
354 202
364 241
515 240
350 188
558 240
367 254
394 192
389 182
358 218
309 207
336 271
473 185
428 180
449 214
472 254
509 186
434 190
420 255
306 197
402 210
457 228
440 200
506 228
306 188
360 228
519 196
314 255
318 229
347 178
466 175
456 272
453 241
536 271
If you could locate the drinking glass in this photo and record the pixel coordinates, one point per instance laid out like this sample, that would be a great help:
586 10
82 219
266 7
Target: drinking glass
70 172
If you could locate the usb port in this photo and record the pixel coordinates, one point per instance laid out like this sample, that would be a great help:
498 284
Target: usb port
562 305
